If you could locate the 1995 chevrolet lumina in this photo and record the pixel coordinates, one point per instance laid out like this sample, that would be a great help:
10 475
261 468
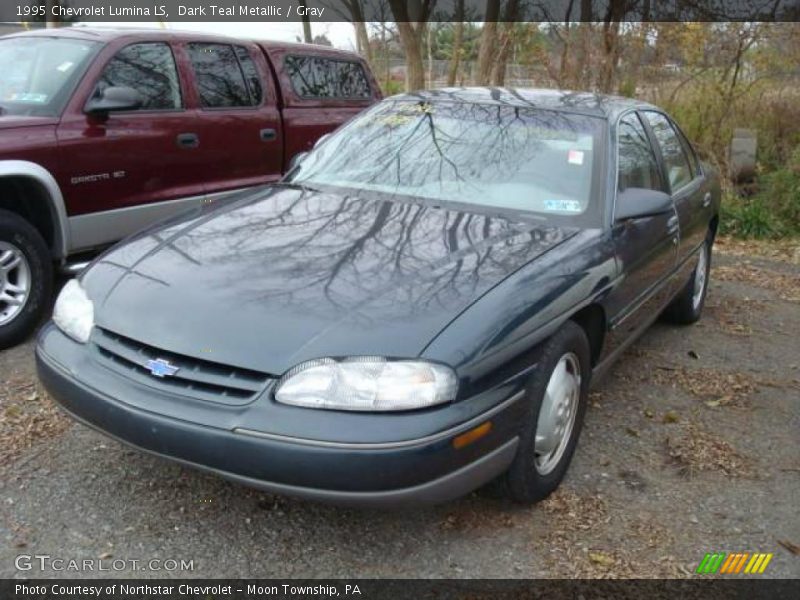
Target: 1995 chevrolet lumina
416 309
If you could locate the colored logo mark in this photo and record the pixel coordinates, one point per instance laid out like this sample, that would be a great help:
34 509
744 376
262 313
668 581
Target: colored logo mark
734 563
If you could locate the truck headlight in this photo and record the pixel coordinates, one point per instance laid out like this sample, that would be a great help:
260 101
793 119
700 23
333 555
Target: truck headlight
367 384
74 312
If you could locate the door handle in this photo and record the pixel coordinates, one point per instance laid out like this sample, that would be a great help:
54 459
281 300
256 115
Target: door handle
268 135
187 140
672 224
707 200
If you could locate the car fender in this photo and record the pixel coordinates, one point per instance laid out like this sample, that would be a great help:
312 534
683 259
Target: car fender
58 211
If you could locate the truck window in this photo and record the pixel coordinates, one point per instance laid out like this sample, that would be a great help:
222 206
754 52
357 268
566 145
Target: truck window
149 68
318 77
220 77
251 75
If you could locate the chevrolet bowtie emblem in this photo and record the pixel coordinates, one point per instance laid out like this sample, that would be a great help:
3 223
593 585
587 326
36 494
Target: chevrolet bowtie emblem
161 368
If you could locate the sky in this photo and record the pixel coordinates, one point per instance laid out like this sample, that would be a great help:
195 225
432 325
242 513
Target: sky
340 34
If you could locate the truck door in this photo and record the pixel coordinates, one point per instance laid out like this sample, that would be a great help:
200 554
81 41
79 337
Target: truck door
238 123
131 160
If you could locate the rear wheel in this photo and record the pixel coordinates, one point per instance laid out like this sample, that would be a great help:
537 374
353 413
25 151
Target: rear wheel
557 395
687 307
26 274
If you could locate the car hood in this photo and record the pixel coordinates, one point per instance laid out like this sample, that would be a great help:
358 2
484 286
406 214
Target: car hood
285 275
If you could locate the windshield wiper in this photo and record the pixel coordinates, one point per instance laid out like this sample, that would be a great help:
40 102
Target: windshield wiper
296 186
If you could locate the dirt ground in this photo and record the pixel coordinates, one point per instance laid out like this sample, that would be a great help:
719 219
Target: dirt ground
690 446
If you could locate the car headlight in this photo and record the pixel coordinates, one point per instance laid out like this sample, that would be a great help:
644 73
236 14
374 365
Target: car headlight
367 384
74 312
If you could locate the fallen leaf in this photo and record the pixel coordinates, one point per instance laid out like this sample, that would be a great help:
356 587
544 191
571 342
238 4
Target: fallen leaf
671 417
601 558
693 354
793 548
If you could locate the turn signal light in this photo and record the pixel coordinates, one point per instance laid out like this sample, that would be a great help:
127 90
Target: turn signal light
472 435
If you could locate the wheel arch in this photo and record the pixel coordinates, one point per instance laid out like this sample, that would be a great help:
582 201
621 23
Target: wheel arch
31 191
592 319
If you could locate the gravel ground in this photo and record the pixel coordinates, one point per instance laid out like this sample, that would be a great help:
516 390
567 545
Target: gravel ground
690 446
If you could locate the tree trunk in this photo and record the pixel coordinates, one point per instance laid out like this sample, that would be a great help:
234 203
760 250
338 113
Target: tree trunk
488 43
411 36
362 40
458 39
507 40
50 19
306 24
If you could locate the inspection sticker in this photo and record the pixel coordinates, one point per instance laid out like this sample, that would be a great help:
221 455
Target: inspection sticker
575 157
570 206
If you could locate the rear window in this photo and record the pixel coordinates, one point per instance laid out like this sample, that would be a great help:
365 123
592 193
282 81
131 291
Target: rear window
226 78
319 77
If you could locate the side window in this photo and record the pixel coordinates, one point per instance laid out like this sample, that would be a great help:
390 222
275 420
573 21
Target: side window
675 160
220 81
251 75
316 77
637 163
149 68
687 148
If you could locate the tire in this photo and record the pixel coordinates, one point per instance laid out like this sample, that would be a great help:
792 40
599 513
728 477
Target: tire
687 307
26 278
532 477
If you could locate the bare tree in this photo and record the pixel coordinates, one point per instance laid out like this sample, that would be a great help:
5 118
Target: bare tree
488 43
309 39
506 41
412 32
458 39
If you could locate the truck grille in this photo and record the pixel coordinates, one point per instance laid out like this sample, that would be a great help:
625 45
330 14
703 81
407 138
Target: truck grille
195 377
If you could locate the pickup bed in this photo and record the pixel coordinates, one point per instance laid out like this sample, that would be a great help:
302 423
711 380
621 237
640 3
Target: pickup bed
104 131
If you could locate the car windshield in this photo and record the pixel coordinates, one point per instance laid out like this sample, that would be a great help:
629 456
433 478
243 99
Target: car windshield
500 157
38 74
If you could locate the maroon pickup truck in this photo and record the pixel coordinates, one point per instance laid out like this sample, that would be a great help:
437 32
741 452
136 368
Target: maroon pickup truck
104 131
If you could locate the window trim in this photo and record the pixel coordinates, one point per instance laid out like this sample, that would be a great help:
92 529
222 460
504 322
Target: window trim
653 149
353 61
232 47
672 191
145 111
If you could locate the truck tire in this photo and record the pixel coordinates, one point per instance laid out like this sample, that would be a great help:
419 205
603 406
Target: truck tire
26 278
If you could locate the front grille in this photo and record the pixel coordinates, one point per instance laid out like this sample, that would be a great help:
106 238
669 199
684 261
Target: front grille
197 378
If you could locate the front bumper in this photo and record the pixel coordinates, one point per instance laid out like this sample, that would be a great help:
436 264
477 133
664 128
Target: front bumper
419 469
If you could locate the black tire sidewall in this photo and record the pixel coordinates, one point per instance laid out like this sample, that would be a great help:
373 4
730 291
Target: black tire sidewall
524 483
18 232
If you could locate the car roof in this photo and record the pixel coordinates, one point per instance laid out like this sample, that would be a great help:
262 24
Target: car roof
586 103
108 34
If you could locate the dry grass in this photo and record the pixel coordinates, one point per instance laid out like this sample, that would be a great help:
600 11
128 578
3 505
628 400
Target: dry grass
785 285
782 250
27 415
694 450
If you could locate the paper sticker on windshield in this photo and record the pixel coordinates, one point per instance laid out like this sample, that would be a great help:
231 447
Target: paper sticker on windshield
575 157
65 66
569 206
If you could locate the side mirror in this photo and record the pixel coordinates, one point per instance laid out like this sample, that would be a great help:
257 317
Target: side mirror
637 203
114 99
297 159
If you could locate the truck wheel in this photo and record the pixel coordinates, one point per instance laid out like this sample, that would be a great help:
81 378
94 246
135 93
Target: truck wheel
556 395
687 306
26 278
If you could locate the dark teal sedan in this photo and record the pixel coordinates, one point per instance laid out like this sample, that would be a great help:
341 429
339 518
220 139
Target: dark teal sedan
417 309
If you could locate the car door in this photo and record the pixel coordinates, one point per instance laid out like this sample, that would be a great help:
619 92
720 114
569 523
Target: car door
691 196
121 167
238 123
645 247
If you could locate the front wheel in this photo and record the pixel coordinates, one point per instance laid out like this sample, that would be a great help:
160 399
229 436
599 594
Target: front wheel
557 396
687 306
26 278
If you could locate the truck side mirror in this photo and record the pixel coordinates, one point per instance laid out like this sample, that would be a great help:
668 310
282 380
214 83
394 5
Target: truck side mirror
115 98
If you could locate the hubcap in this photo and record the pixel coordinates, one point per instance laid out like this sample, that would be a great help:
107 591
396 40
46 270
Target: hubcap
700 274
15 281
557 414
